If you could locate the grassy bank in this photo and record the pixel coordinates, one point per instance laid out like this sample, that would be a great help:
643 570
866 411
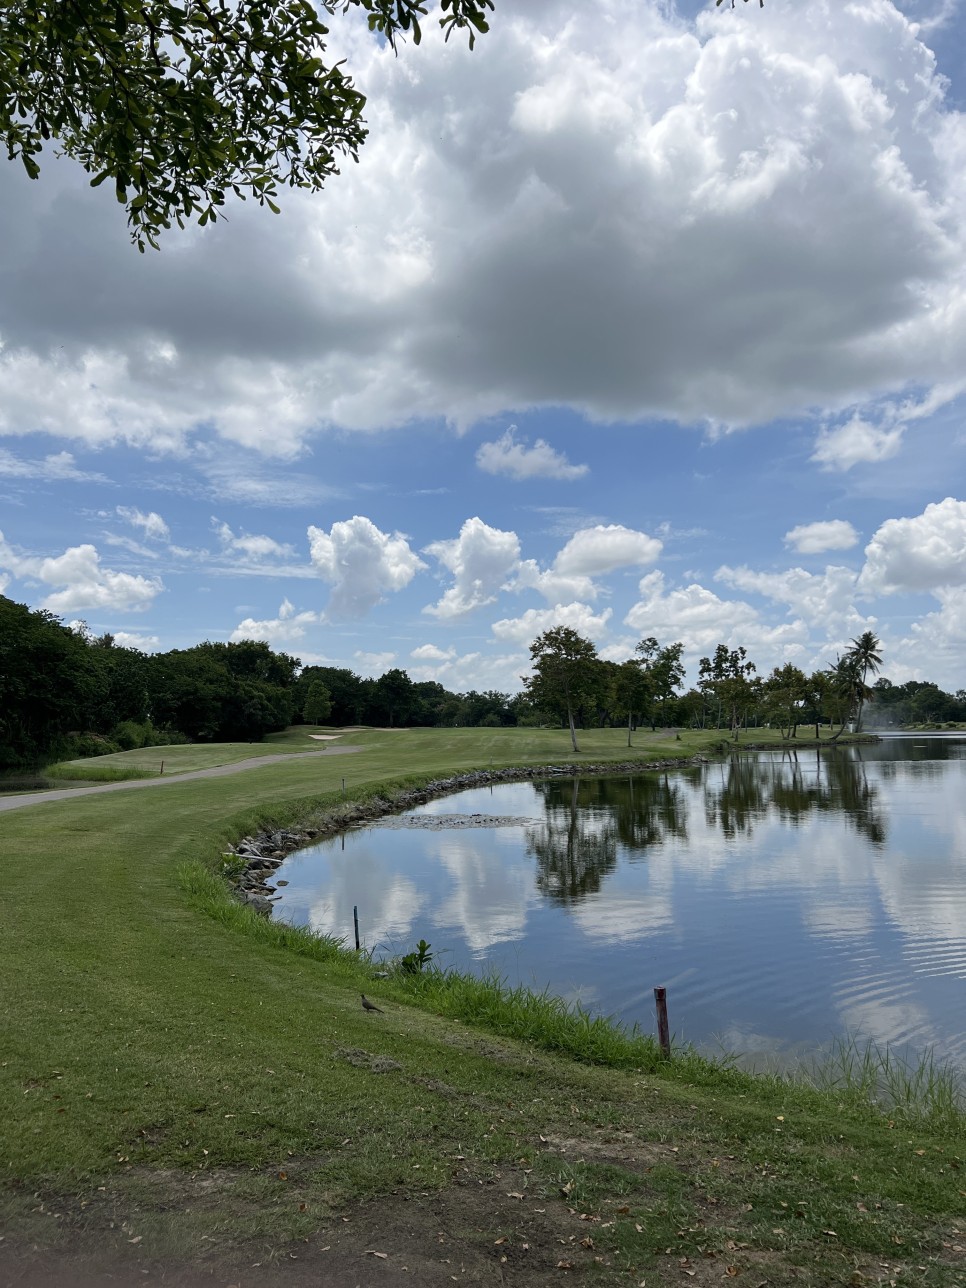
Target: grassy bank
209 1083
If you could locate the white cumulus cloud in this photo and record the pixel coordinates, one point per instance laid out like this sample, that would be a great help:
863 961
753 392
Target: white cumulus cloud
605 548
856 442
252 546
580 617
81 581
507 456
828 534
480 559
287 628
923 553
361 563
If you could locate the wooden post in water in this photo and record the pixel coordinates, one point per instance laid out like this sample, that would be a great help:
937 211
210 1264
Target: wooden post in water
355 919
663 1031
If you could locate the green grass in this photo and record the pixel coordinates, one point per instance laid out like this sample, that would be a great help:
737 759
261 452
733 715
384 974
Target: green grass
161 1029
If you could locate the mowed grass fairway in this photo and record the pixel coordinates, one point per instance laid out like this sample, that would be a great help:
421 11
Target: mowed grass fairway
188 1090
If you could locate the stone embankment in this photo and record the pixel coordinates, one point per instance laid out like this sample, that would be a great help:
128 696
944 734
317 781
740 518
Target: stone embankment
262 854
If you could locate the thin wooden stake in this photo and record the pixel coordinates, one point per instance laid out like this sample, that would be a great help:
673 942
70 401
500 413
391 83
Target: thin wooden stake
663 1030
162 766
355 919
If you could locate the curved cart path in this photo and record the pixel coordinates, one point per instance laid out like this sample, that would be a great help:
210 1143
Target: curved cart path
217 771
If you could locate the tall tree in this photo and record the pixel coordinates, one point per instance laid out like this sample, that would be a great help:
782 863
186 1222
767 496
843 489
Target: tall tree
564 673
179 103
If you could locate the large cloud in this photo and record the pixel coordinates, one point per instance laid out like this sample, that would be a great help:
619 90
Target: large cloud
826 601
82 584
702 620
600 207
923 553
362 564
480 559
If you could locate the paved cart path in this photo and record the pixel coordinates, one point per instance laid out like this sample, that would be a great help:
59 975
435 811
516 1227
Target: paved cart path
24 799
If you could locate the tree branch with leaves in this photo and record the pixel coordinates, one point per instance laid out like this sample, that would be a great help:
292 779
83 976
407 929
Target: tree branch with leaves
181 104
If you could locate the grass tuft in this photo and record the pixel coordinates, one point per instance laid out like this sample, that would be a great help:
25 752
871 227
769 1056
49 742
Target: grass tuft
916 1087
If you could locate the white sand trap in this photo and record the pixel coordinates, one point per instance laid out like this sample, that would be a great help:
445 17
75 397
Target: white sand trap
325 737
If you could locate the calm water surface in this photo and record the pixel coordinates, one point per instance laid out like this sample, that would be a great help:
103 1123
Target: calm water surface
783 898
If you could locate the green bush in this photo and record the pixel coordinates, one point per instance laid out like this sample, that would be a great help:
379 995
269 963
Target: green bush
79 746
129 735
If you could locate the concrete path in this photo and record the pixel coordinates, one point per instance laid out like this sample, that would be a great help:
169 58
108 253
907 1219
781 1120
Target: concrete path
24 799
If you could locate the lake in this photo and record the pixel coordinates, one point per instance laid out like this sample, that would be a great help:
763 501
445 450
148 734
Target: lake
784 898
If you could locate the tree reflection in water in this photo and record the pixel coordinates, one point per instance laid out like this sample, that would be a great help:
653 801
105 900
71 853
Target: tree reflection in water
590 821
576 847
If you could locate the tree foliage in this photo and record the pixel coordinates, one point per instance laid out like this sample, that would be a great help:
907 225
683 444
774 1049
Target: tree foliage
565 673
180 103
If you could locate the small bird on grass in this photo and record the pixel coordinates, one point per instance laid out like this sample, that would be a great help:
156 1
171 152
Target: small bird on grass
370 1006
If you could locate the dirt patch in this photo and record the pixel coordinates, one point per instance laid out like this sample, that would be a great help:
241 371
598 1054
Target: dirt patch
482 1230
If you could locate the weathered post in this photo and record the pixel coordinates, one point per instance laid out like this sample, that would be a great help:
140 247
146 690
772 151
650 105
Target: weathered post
355 919
162 767
663 1031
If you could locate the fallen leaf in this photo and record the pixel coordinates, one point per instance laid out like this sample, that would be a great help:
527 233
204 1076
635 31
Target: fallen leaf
732 1271
567 1190
830 1233
587 1242
383 1256
283 1176
565 1265
497 1242
514 1194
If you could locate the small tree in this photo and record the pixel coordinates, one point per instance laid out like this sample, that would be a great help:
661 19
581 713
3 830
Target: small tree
786 695
318 703
564 675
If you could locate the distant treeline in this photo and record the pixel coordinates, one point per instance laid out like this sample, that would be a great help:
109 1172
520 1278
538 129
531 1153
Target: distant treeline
65 693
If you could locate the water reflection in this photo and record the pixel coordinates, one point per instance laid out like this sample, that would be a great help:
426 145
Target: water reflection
586 820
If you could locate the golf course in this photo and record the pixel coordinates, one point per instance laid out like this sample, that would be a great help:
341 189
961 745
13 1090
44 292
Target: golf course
194 1094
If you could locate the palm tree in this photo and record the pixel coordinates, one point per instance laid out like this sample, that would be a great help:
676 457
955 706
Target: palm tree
865 655
845 690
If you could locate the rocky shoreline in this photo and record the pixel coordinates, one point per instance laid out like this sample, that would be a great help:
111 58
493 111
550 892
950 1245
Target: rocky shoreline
265 852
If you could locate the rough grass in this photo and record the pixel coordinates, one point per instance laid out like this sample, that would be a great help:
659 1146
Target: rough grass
163 1031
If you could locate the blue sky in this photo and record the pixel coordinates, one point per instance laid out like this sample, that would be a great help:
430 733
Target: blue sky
648 320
